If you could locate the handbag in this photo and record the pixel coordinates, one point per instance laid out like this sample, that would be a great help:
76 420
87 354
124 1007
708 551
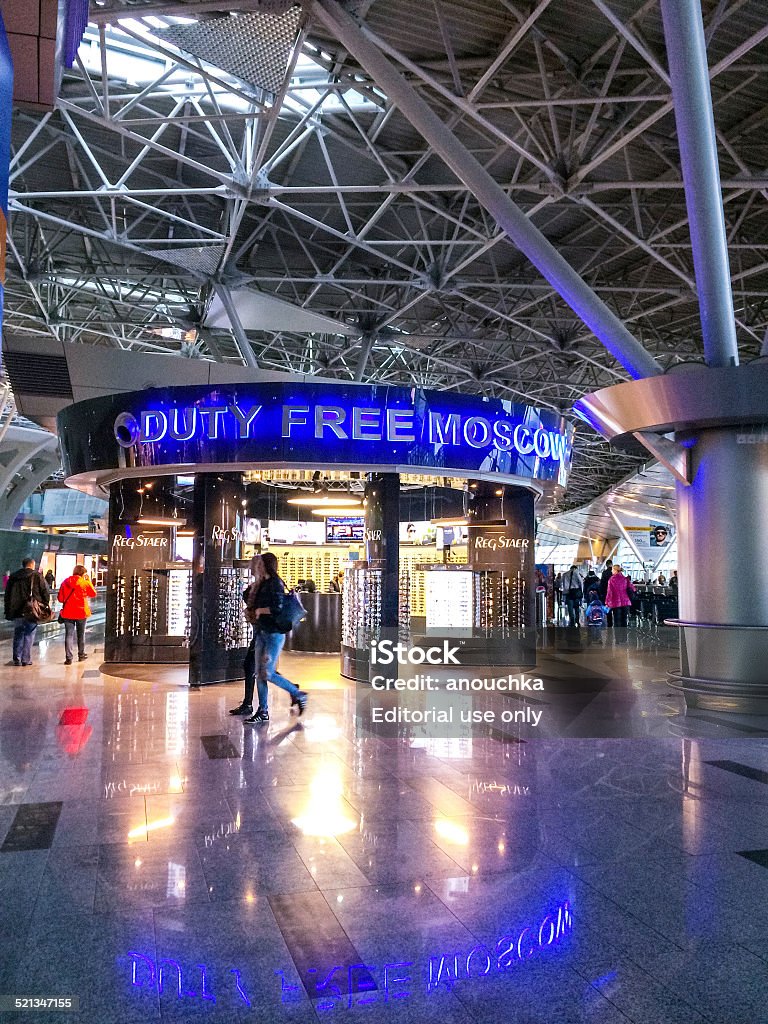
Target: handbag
34 610
292 612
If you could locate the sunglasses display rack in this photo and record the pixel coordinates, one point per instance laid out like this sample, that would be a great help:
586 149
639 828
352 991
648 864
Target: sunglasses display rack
119 586
317 564
231 628
152 586
136 592
361 607
404 607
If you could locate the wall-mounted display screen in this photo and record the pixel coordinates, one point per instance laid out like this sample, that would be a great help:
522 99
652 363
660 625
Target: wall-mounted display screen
344 529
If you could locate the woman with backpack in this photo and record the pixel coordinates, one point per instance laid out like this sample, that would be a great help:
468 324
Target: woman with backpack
264 601
619 596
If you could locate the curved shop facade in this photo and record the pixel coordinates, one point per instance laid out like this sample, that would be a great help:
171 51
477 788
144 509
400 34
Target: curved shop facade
178 465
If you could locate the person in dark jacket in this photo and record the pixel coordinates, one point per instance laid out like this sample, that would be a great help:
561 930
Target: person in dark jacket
268 639
23 584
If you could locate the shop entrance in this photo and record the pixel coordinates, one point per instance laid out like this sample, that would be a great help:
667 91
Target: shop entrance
201 479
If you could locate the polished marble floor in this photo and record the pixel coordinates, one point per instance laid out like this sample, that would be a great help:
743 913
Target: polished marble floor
161 861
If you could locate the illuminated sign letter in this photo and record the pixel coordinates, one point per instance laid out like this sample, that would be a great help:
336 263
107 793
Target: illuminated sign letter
477 432
183 424
294 416
245 419
522 439
541 443
154 426
366 424
444 429
213 415
558 444
329 417
502 435
400 425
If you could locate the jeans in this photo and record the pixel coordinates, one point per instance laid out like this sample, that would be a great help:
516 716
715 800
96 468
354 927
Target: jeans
573 604
72 626
620 617
267 647
23 638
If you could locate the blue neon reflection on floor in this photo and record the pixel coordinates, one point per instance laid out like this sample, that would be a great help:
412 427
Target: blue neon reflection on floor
362 984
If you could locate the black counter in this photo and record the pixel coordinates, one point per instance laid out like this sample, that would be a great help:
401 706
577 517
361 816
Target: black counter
320 632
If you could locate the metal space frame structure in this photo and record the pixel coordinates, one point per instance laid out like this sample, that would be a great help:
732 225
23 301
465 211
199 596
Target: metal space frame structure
164 186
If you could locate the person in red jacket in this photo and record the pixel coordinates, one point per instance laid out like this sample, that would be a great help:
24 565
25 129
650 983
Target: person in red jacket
73 597
619 596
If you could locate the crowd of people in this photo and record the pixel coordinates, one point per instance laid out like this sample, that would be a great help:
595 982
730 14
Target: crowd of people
610 595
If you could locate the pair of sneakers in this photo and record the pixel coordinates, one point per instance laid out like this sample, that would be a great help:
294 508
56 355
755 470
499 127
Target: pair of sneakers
262 715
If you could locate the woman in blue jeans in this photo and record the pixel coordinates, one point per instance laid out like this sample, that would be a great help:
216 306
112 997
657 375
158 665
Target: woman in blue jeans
264 650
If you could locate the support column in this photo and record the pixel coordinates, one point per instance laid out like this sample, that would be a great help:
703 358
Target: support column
382 541
692 97
219 636
504 548
722 508
722 559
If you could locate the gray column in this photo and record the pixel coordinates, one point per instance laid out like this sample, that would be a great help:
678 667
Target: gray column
382 541
687 56
723 560
525 235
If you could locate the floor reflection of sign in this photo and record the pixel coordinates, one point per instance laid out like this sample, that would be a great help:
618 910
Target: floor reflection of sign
360 985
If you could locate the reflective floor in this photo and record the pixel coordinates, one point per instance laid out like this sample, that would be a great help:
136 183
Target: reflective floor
162 861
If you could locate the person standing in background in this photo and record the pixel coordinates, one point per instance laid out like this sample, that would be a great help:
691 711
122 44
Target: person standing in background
23 585
573 591
619 596
6 577
50 579
75 609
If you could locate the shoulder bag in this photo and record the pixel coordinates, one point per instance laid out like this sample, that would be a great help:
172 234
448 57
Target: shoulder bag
35 610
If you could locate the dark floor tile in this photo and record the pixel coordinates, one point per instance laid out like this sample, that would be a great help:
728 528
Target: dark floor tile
745 770
317 943
758 856
32 828
218 747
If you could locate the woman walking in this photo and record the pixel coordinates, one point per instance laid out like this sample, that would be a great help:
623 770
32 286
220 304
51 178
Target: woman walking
75 609
264 602
258 574
619 596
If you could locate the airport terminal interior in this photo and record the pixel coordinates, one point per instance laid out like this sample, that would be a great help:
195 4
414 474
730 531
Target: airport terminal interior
452 316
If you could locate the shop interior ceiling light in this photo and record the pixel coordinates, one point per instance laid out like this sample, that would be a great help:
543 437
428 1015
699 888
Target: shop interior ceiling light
344 511
160 521
327 499
450 521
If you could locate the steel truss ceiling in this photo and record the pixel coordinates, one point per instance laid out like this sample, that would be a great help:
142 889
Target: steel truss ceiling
139 199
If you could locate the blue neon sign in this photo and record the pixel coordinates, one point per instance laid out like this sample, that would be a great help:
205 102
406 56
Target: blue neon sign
353 425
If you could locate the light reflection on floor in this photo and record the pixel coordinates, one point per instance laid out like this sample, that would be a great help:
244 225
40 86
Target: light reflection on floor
592 870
